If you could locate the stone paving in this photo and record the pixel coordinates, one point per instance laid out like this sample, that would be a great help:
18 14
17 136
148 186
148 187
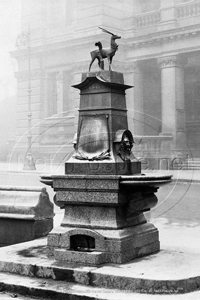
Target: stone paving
174 270
178 260
11 296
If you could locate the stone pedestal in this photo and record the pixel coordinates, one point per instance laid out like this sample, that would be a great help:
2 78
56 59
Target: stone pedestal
103 192
103 220
102 127
173 107
136 102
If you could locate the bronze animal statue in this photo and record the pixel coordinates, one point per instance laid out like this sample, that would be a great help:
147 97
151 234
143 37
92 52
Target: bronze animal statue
102 53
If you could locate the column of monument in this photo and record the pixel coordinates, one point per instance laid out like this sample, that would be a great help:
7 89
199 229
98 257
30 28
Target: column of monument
172 97
135 108
77 74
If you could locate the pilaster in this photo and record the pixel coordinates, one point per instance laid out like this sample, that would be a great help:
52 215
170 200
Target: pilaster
79 68
172 93
134 76
60 93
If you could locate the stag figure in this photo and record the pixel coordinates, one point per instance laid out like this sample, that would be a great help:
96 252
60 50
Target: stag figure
102 53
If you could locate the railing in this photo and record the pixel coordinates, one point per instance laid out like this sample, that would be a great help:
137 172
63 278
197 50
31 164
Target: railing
150 145
148 19
185 10
188 10
57 138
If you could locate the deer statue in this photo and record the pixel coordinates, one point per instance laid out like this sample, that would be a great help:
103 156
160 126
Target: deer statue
102 53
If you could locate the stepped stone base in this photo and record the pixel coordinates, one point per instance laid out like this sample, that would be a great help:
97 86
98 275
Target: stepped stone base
103 220
26 269
109 246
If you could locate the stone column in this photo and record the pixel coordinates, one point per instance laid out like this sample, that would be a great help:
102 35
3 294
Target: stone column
134 98
59 94
78 69
172 93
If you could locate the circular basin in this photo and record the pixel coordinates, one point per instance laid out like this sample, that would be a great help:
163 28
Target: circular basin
145 180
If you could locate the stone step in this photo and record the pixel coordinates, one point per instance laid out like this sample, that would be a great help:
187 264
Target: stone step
193 159
29 288
26 269
51 289
189 168
191 164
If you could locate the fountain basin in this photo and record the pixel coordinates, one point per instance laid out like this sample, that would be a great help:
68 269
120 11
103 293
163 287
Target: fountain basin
131 195
126 180
145 180
109 209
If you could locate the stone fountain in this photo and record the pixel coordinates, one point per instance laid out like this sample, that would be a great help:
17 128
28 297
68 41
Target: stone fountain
104 196
103 192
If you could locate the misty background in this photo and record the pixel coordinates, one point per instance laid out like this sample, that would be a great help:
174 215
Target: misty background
10 23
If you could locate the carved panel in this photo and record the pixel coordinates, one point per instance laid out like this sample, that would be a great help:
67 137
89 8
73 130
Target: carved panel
93 140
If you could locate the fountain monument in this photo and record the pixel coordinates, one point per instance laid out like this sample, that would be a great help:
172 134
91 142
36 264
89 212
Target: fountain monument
103 192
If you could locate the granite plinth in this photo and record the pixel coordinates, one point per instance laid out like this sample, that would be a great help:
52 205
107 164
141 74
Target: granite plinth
110 246
108 217
174 270
101 127
105 76
101 201
104 168
109 210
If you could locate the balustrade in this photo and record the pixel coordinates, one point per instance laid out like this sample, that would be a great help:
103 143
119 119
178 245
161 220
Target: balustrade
148 19
188 10
56 138
150 145
57 131
152 18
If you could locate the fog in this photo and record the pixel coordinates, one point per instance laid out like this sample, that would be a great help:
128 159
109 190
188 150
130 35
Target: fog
10 17
10 28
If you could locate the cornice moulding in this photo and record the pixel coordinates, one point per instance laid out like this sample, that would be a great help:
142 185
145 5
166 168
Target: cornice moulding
160 37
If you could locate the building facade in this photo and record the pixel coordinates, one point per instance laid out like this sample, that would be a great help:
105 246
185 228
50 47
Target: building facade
159 54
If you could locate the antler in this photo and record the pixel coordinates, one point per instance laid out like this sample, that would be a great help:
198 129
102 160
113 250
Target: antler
104 30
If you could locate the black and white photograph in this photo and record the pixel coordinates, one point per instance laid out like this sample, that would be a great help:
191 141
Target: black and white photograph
100 149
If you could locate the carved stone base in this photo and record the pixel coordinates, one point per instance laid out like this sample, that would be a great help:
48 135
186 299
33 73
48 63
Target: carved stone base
103 168
94 247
